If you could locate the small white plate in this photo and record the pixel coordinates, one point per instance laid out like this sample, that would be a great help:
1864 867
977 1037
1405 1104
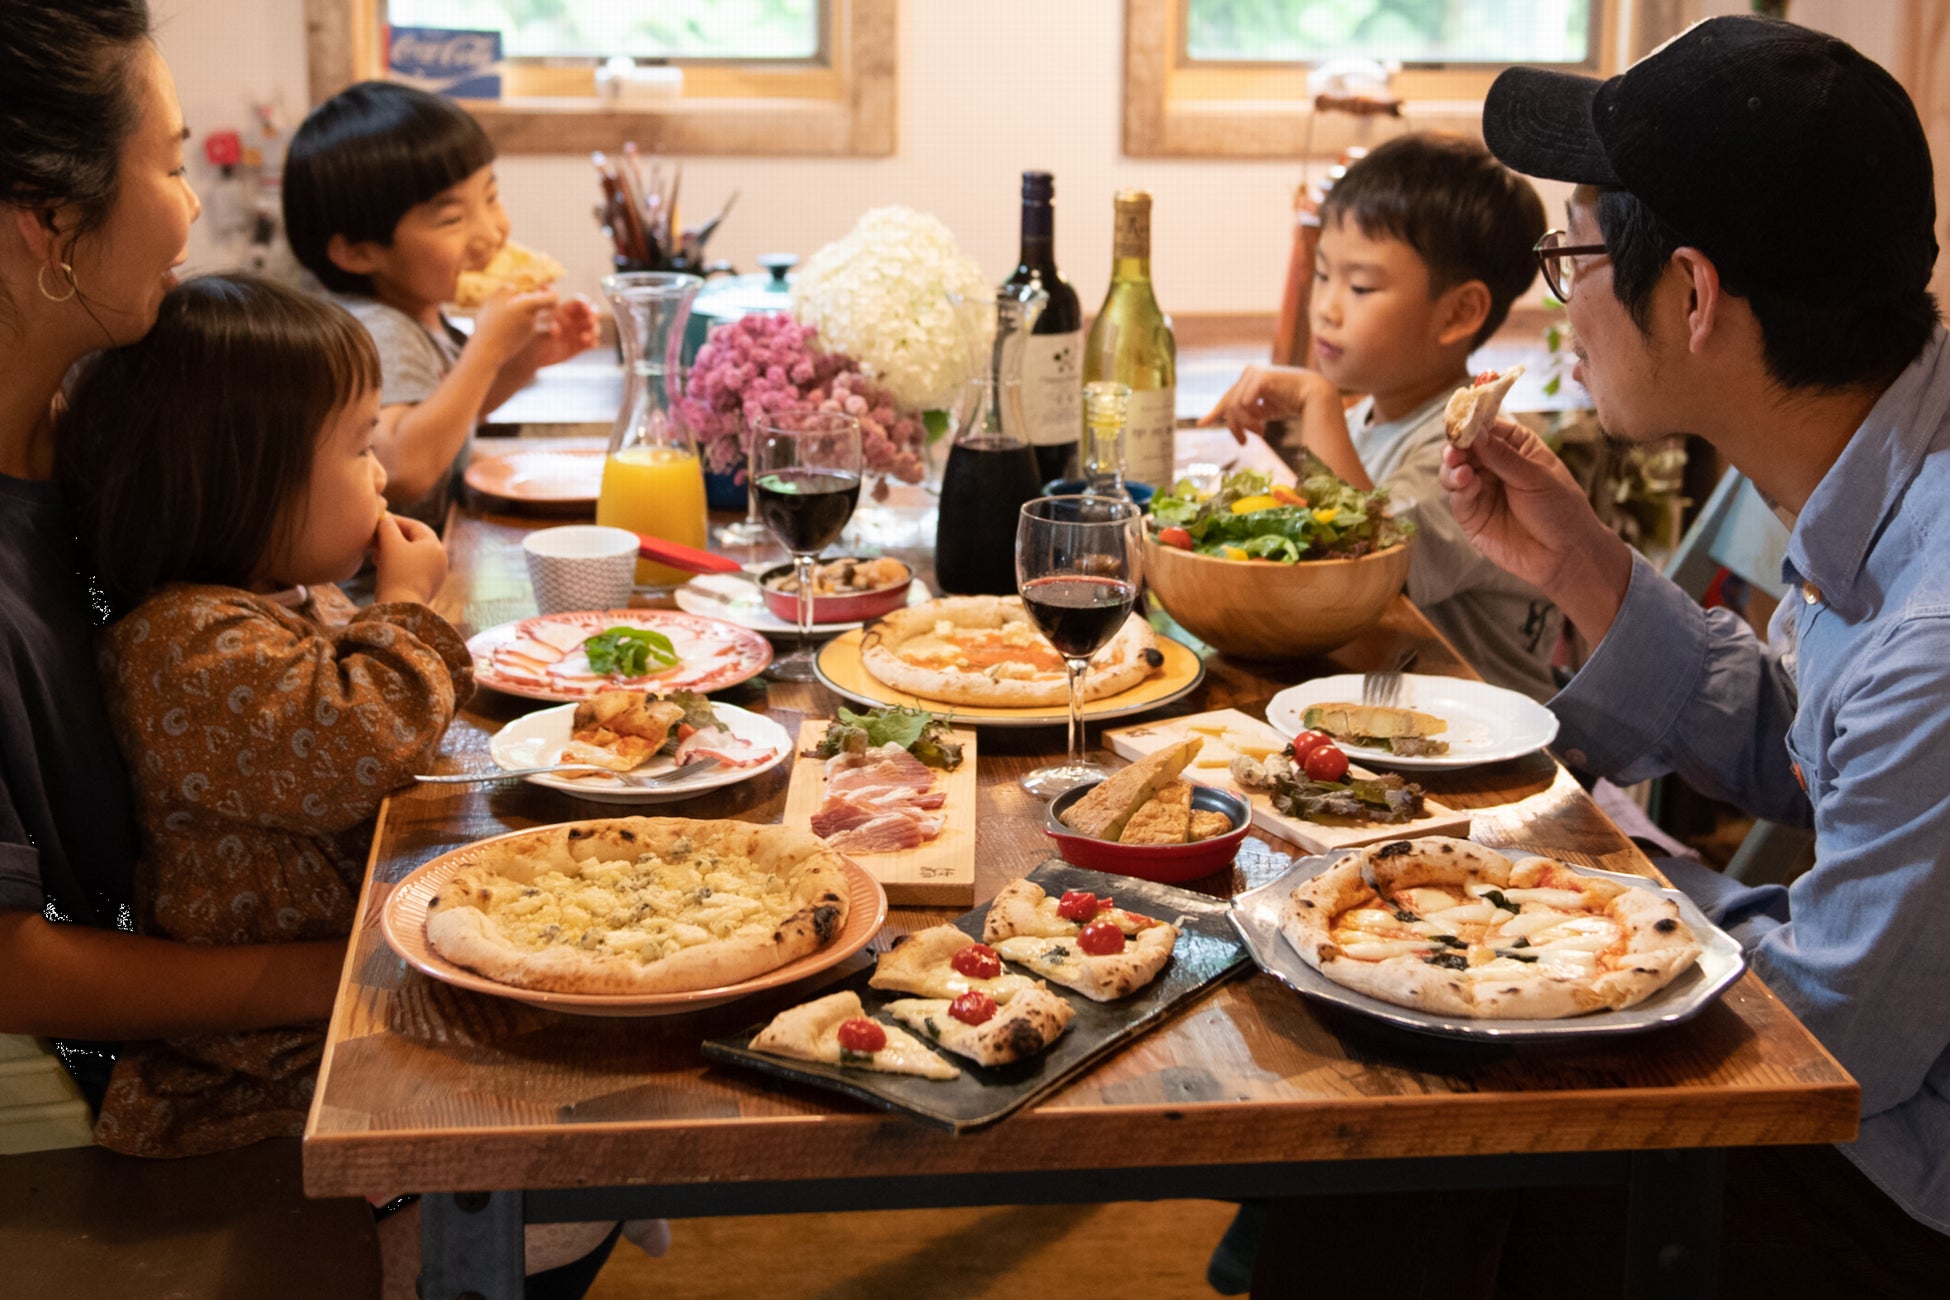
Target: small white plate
535 739
1256 915
737 600
1486 723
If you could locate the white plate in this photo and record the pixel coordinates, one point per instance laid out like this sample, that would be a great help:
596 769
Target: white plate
535 739
1256 915
737 600
1486 723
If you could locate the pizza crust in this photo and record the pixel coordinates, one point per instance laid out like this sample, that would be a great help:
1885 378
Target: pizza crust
908 651
514 266
1652 947
484 916
1025 1027
1472 410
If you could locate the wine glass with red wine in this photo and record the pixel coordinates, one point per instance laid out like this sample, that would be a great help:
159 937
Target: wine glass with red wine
805 469
1078 567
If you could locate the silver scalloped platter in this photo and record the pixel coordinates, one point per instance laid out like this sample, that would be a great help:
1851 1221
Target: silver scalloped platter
1256 915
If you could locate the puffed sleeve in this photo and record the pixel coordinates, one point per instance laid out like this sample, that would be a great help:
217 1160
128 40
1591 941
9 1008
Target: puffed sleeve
233 708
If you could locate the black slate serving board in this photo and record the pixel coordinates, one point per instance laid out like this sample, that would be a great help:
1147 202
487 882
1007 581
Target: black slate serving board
1208 950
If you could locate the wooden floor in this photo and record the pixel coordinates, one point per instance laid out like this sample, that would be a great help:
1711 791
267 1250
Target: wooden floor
1134 1250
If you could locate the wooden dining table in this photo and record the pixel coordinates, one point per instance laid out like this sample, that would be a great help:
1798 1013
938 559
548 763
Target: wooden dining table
501 1113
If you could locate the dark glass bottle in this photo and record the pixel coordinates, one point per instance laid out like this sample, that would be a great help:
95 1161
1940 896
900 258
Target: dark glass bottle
991 470
1052 356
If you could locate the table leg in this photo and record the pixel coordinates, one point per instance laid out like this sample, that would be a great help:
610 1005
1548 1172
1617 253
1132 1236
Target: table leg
1672 1225
471 1246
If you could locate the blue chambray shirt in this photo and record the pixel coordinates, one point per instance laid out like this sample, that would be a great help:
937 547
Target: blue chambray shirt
1852 695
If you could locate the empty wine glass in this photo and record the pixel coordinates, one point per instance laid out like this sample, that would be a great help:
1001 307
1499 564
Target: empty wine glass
1078 567
751 530
805 471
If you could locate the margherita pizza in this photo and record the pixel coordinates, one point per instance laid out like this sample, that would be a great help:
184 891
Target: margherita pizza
976 1026
985 650
642 905
1449 927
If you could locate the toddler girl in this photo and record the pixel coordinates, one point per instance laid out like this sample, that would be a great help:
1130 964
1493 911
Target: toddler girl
223 474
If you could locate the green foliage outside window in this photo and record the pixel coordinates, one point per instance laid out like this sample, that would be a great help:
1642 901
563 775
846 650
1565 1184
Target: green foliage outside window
1407 31
598 29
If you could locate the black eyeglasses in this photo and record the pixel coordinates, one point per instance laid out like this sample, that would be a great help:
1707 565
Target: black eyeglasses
1560 275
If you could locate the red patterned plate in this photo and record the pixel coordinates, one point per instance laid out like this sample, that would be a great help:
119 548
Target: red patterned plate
541 658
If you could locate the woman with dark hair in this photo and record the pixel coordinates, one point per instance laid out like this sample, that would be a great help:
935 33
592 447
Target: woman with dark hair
95 213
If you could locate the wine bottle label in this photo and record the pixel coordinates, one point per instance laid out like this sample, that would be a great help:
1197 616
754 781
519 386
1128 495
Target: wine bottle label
1149 437
1131 230
1052 387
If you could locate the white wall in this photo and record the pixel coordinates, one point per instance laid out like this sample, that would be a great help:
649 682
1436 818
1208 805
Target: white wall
987 89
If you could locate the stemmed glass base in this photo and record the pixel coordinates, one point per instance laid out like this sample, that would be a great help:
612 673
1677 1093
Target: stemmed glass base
795 667
1048 782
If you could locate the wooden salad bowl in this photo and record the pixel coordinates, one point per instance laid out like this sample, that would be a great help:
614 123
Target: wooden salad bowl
1262 609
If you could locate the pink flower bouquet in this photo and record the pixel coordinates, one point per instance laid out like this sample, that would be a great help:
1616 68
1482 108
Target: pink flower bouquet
760 366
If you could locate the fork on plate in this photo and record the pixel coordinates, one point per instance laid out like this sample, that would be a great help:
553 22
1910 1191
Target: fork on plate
642 780
1383 688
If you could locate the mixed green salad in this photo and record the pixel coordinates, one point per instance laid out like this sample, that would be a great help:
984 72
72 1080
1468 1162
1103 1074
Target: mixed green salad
919 732
1248 518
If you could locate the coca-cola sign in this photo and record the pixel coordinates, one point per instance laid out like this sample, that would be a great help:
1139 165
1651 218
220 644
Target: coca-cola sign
464 64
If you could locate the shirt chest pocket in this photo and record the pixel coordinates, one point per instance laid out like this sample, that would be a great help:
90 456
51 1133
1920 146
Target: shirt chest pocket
1806 769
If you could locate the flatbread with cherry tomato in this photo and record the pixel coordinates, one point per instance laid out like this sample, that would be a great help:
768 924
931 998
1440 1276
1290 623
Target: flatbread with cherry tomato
1022 907
975 1026
1472 410
943 962
835 1030
1099 962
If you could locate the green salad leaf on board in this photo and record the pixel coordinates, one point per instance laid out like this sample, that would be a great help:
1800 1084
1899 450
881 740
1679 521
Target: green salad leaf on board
917 731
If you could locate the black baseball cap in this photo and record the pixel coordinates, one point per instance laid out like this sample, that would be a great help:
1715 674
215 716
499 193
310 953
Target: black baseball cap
1794 162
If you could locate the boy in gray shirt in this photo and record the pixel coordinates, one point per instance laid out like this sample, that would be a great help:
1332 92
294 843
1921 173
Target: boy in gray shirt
1424 245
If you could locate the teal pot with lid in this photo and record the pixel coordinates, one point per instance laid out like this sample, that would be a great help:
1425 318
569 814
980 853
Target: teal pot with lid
728 298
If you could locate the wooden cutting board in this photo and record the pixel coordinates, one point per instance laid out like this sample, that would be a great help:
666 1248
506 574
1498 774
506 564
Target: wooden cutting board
940 873
1225 732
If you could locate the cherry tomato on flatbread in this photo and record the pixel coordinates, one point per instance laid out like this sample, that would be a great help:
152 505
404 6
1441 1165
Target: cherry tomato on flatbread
1487 377
1080 905
978 961
1306 743
861 1035
973 1007
1326 763
1175 536
1101 939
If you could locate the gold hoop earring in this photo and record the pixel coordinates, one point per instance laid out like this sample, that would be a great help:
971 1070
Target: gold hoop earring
40 282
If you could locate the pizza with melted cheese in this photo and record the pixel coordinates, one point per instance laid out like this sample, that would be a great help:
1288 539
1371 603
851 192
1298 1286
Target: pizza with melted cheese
1446 926
986 650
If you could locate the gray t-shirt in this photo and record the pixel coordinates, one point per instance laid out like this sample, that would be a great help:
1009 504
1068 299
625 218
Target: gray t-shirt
1503 627
412 361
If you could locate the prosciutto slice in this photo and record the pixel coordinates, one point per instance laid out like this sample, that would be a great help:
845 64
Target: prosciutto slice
883 767
887 833
878 801
720 744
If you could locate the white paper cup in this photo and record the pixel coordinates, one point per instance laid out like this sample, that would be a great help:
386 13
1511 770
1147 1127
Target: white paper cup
583 566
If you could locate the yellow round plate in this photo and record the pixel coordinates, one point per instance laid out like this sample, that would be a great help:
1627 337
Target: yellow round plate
838 665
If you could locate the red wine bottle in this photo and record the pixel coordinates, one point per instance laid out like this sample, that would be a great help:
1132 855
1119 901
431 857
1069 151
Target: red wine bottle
1052 358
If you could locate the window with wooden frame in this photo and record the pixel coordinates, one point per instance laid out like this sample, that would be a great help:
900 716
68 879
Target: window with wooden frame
778 77
1229 78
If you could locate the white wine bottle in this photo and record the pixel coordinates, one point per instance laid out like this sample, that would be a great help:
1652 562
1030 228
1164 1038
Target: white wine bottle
1130 343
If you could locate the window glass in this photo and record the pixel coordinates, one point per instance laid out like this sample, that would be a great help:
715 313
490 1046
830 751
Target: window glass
1444 32
598 29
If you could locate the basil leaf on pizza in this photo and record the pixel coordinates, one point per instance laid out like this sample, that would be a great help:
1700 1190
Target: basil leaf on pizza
629 651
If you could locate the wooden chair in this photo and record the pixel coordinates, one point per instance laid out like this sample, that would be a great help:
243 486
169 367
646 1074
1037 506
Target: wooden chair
1738 531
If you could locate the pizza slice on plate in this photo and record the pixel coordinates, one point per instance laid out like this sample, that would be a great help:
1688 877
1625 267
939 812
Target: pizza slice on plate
975 1026
942 962
835 1030
620 729
1100 962
1446 926
1021 907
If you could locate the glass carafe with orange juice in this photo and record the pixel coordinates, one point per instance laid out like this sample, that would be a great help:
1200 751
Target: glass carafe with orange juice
653 481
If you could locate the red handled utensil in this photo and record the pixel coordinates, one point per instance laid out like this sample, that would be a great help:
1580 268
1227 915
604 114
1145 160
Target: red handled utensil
687 558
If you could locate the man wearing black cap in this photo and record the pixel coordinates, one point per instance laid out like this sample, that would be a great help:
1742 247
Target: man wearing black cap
1747 259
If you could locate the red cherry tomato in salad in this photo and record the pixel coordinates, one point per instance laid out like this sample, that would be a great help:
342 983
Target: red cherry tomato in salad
861 1035
972 1008
1175 536
1326 763
1307 742
1101 939
1080 905
978 961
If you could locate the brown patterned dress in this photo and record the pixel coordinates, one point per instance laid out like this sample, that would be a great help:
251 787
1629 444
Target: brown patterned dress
261 740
